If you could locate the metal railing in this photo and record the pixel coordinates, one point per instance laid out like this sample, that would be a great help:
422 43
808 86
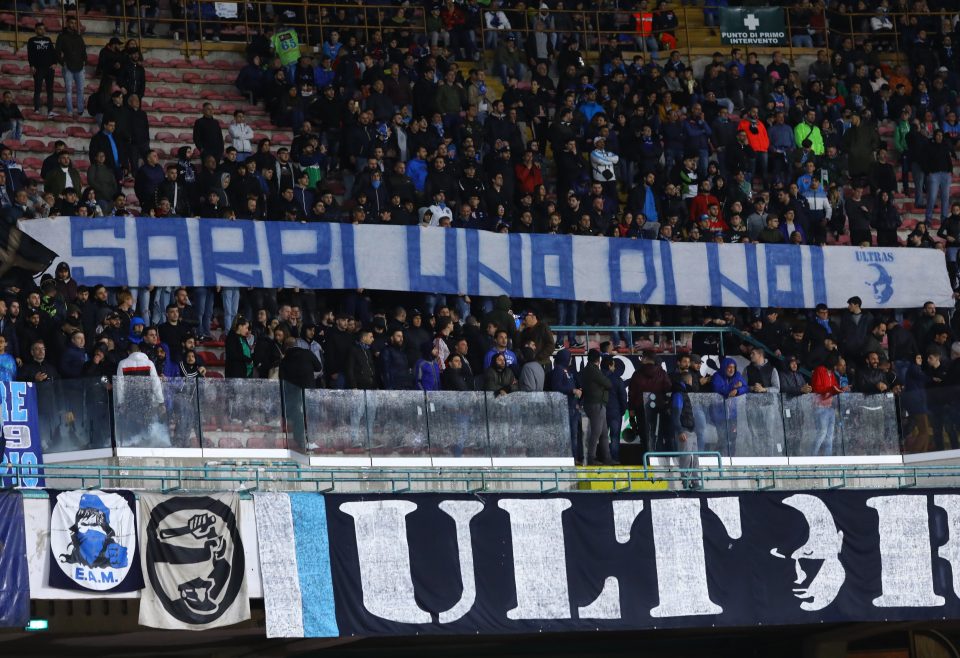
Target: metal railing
248 477
594 27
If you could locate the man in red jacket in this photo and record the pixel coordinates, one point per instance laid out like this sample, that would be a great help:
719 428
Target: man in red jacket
700 204
528 173
757 138
645 410
826 386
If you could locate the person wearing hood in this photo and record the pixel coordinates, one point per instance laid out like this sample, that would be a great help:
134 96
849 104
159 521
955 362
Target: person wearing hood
136 330
562 380
651 380
729 383
427 371
613 368
498 378
532 374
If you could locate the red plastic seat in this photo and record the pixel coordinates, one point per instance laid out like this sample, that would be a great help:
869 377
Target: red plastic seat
170 121
79 131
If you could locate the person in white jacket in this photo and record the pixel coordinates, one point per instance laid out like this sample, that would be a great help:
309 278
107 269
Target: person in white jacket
603 165
241 136
142 421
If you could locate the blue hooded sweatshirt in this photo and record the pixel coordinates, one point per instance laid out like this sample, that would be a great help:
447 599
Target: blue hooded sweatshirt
426 370
723 384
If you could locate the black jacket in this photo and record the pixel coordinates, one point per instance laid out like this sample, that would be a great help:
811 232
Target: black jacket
267 355
395 369
596 386
299 366
236 361
100 142
133 78
360 371
71 50
208 136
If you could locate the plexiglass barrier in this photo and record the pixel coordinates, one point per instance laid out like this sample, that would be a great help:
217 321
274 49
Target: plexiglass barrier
436 425
235 414
74 414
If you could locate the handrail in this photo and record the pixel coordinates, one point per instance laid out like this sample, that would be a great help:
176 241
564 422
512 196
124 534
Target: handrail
675 455
585 24
250 477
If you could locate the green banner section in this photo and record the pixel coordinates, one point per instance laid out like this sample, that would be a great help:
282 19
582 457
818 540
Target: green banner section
760 26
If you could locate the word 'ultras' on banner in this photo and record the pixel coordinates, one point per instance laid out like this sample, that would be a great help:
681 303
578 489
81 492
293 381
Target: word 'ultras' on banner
430 563
137 252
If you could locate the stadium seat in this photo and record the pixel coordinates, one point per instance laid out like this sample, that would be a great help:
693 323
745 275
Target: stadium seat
227 442
165 137
79 131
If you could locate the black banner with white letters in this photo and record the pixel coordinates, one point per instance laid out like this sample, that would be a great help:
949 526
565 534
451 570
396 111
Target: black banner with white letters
432 563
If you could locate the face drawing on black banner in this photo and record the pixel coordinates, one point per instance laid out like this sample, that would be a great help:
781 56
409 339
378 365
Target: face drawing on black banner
820 575
195 560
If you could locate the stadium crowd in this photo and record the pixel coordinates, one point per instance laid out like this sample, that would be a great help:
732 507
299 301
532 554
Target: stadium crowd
389 129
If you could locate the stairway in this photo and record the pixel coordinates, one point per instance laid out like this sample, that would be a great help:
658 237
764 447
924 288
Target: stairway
176 91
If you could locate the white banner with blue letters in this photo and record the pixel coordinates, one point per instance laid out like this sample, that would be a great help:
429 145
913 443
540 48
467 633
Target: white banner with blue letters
144 251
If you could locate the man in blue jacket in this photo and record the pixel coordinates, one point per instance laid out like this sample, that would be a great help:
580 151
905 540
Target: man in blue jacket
729 383
684 432
394 366
696 138
617 403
